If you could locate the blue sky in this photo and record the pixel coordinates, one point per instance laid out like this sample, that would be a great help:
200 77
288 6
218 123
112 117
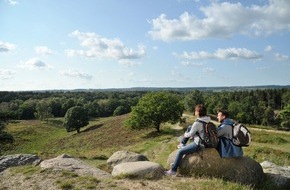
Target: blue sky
72 44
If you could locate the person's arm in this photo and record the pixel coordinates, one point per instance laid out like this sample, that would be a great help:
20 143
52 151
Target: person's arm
222 131
192 131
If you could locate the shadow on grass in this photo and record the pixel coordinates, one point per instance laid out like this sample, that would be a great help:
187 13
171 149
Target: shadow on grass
94 127
55 122
168 131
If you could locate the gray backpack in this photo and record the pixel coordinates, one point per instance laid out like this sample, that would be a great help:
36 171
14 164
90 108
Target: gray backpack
241 135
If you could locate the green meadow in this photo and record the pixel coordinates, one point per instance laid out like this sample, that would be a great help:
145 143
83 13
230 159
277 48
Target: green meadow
104 136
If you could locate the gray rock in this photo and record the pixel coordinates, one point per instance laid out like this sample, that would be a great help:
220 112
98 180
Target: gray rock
209 163
280 175
18 160
65 162
125 156
141 169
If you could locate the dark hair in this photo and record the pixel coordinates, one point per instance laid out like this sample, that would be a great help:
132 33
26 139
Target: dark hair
201 110
224 112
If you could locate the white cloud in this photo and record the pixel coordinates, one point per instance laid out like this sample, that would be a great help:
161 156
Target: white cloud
12 2
128 63
281 57
99 47
34 63
239 53
268 48
208 70
42 50
5 47
223 20
6 74
229 53
77 74
189 63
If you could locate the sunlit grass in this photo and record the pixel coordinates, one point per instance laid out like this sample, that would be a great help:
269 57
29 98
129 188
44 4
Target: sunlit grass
104 136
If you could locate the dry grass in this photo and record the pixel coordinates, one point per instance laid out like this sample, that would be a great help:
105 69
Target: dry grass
103 136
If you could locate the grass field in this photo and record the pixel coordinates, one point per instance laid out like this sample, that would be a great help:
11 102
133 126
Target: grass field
104 136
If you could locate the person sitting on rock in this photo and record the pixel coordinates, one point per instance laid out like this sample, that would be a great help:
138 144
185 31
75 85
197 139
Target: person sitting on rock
195 129
226 148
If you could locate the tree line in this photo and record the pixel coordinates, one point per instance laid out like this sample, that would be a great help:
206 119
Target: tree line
41 105
268 107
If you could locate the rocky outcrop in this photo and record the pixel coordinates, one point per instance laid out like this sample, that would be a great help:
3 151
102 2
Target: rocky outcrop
140 169
125 156
209 163
278 174
66 162
18 160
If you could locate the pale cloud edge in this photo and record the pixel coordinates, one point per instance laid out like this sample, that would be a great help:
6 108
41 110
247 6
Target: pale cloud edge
43 50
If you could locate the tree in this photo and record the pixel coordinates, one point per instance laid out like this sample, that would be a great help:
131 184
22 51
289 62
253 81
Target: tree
192 99
67 104
269 117
27 109
75 118
120 110
43 111
93 108
286 99
285 116
155 108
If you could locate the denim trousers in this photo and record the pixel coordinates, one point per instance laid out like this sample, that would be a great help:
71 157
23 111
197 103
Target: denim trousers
188 149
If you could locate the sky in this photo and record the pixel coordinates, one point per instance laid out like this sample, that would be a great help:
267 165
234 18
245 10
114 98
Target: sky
100 44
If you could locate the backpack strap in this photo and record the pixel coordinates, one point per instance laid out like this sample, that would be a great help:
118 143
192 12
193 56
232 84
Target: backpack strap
201 147
203 125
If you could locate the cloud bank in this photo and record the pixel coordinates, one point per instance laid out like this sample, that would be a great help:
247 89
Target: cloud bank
223 20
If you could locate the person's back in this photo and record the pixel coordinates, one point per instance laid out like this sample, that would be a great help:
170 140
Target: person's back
197 127
226 148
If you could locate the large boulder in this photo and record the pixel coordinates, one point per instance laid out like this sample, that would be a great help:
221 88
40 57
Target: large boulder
209 163
141 169
66 162
280 175
18 160
125 156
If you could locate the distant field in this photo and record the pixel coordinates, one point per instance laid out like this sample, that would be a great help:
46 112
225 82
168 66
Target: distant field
103 136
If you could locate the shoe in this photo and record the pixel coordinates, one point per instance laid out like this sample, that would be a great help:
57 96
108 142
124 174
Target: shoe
169 172
180 146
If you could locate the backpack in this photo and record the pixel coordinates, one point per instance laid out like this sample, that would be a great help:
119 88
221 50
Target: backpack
241 135
210 139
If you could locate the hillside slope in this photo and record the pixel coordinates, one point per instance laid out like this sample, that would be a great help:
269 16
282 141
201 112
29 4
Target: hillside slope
100 139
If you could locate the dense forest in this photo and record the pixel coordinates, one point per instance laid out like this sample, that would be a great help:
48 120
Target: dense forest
269 107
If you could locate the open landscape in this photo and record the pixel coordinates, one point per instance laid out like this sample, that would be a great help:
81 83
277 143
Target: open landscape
103 136
83 80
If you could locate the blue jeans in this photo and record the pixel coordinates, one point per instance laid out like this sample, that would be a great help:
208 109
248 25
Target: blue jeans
188 149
